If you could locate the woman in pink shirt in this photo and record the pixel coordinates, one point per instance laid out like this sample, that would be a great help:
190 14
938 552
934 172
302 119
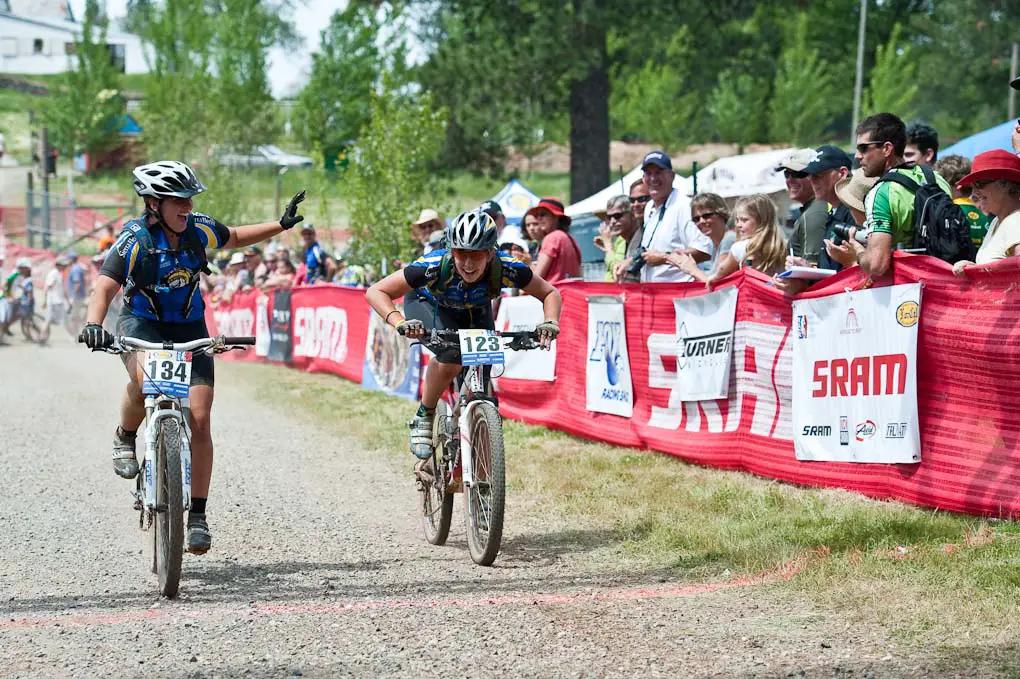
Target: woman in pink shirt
559 257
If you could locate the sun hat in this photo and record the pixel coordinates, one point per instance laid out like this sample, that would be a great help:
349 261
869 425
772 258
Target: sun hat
551 205
992 165
427 215
852 189
236 258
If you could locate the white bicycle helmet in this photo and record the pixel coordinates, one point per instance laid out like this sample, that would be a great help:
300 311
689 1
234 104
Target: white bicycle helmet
166 178
473 230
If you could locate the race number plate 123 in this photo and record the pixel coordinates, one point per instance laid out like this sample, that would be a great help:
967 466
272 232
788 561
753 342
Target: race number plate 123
167 372
480 347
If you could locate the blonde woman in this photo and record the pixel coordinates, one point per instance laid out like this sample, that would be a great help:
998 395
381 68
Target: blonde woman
760 243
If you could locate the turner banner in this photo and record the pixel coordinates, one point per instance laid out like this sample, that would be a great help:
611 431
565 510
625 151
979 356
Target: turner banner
704 344
855 376
608 387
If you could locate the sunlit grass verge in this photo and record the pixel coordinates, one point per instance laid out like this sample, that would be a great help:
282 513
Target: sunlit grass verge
919 571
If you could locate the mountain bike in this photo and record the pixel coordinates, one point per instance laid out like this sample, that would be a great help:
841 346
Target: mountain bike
467 434
163 486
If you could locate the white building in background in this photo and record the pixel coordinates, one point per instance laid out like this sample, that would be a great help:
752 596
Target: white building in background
37 37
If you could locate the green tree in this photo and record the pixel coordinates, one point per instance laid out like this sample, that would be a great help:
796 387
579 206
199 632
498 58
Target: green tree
334 106
804 93
176 110
391 179
242 105
892 83
87 107
728 106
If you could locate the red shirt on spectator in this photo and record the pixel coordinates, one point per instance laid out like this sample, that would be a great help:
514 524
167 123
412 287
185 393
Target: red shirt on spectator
560 247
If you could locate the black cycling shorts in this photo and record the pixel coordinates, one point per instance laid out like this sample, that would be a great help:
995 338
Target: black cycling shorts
157 331
445 318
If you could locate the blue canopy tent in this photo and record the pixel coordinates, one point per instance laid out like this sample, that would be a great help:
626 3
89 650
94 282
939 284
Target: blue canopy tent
998 137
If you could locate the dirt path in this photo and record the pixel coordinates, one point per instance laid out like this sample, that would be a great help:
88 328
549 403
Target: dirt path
319 569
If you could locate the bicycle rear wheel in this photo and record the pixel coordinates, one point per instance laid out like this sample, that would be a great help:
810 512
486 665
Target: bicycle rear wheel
485 497
436 502
169 534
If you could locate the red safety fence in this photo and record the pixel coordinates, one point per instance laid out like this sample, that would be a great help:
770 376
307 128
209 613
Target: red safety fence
968 366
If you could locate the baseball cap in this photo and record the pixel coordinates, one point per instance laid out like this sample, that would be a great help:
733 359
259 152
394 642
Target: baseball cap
252 251
828 157
491 207
236 258
658 158
308 228
798 160
23 263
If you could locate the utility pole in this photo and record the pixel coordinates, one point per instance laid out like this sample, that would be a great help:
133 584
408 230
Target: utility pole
858 83
1014 58
44 156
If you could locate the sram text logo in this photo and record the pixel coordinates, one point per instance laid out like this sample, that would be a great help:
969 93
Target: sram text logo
321 333
863 376
817 431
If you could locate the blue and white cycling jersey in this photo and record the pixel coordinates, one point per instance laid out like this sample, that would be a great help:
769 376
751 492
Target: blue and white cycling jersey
176 297
424 273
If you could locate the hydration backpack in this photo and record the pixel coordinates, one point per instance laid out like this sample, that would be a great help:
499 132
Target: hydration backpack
941 228
145 273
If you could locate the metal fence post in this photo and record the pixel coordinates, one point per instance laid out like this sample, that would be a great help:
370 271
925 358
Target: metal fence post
29 210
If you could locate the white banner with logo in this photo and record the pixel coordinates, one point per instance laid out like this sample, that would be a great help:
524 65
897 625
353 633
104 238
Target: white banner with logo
608 385
704 344
262 336
855 376
524 313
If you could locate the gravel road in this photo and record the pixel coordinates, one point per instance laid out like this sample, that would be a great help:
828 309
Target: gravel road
318 568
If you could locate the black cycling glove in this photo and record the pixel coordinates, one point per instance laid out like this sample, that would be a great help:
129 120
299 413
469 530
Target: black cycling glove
95 337
411 327
290 216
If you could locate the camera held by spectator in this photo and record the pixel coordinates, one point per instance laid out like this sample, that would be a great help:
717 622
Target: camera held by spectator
638 262
842 231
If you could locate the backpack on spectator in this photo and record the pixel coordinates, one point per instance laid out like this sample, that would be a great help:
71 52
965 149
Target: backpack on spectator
941 228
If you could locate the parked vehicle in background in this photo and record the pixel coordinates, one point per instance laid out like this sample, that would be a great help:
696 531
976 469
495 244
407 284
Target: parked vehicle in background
266 155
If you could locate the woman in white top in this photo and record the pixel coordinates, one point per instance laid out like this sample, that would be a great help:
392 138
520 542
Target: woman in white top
760 243
711 215
995 181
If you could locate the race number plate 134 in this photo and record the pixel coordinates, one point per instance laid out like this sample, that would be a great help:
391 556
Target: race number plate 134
167 372
480 347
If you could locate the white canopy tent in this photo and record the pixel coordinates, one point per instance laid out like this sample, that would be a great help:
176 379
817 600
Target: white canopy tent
621 187
744 175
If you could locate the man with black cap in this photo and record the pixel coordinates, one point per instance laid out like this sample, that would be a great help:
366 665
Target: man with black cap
810 225
504 231
831 164
668 227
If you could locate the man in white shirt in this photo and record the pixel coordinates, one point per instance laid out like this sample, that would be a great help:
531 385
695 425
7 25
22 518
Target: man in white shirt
55 301
668 226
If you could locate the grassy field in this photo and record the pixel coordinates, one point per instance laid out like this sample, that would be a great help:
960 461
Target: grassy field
929 576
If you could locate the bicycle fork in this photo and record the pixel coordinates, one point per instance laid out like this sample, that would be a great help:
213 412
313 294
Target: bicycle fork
155 417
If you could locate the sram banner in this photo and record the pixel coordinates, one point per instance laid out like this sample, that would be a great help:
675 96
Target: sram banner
855 376
704 341
329 330
608 387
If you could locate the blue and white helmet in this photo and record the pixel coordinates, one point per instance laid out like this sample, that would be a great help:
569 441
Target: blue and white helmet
166 178
472 230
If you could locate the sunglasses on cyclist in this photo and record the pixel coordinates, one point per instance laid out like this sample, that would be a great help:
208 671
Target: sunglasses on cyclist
862 148
793 174
611 216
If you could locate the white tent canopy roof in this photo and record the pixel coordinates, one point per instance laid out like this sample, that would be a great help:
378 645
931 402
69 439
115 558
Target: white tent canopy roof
744 175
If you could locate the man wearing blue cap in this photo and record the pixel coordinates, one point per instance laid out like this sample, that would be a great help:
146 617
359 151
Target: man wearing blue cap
830 164
668 227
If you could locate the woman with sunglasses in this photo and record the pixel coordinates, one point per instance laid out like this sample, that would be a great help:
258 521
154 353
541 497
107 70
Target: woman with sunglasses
995 183
711 215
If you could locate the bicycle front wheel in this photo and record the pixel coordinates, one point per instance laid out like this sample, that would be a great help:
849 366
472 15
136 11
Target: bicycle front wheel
169 537
436 500
485 497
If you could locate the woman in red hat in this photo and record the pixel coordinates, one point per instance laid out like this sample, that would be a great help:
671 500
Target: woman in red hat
995 183
560 256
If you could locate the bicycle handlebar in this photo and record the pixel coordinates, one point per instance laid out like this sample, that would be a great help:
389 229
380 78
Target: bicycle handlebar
209 345
520 340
